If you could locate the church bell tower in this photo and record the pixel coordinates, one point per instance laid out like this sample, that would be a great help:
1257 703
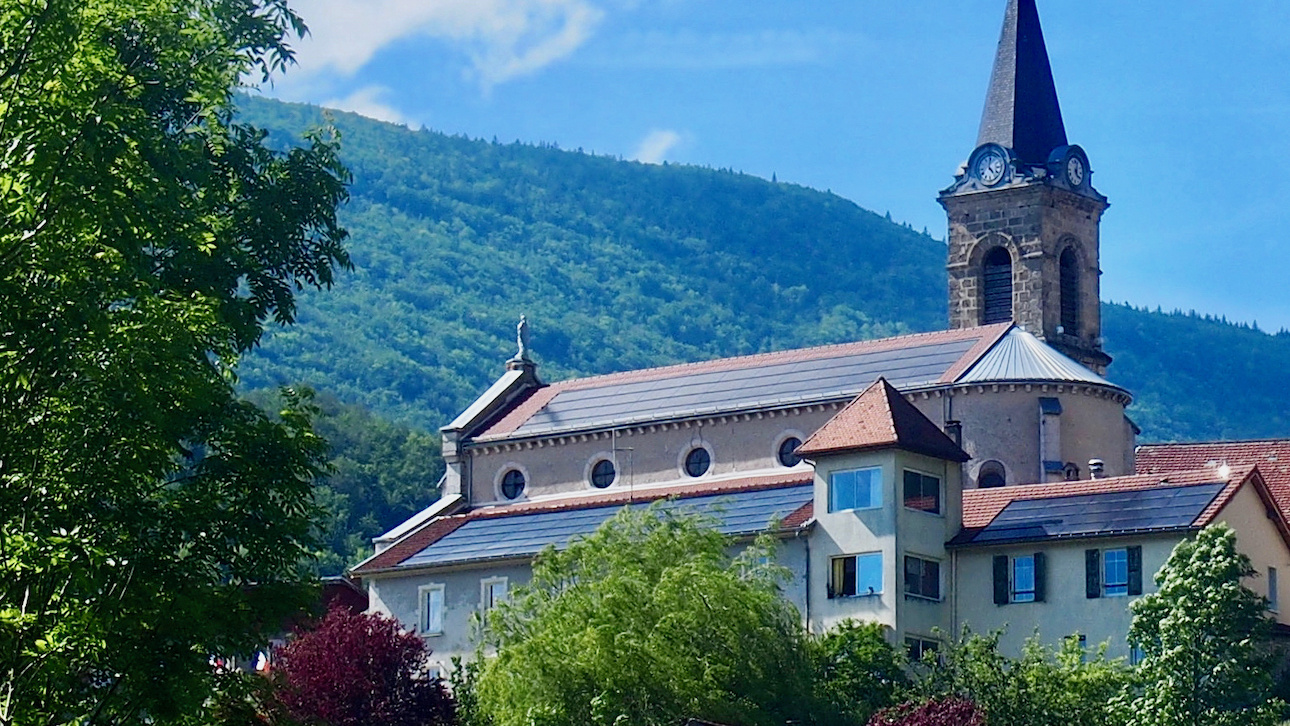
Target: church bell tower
1023 213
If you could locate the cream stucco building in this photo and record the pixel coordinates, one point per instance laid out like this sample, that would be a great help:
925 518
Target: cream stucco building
984 475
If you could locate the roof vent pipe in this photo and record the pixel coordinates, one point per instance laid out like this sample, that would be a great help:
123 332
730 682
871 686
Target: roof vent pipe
1096 469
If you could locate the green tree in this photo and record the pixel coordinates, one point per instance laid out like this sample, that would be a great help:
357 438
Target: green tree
149 519
1204 636
855 672
1044 687
648 621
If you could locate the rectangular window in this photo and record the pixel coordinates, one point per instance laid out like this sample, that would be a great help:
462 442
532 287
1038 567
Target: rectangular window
1136 655
493 592
916 647
922 492
1023 579
1272 589
922 578
859 489
856 575
431 597
1115 569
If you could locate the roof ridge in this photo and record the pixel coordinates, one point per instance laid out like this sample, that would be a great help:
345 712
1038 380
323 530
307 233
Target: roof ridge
755 358
1233 442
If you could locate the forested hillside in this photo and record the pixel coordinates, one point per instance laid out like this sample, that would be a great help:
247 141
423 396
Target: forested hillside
622 265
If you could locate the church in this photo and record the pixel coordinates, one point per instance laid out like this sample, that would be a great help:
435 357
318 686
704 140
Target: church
986 475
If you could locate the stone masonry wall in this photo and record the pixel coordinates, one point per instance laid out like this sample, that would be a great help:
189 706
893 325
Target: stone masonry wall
1035 223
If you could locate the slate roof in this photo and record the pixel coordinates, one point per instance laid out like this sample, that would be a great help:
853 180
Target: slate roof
881 418
1271 455
808 375
1020 356
1101 507
743 506
1022 112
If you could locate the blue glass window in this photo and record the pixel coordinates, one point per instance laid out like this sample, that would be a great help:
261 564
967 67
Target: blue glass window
858 489
1115 572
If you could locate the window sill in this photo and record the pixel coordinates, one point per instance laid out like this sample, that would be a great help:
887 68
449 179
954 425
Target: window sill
938 515
923 598
855 509
861 596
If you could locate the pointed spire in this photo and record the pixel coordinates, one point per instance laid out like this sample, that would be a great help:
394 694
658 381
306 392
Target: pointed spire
1021 108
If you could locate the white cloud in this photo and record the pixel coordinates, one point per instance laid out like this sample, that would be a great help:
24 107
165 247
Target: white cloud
655 146
503 39
368 101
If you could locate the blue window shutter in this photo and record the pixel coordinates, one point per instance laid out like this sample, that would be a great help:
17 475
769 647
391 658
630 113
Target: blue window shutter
1041 577
1001 591
1092 574
1135 570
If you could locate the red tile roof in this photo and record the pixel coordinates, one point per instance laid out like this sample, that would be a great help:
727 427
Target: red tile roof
981 506
441 527
986 337
880 417
1271 455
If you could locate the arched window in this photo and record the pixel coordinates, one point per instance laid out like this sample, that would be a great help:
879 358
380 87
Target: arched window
991 475
1070 291
997 287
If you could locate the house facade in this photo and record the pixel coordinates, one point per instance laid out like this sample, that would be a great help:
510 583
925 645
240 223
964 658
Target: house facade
985 475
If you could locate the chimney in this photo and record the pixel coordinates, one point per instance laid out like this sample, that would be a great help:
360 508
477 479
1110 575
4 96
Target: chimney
1096 469
954 429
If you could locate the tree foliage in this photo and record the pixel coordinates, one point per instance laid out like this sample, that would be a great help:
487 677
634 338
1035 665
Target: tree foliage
379 473
145 240
646 622
1044 687
360 670
1204 636
855 673
948 711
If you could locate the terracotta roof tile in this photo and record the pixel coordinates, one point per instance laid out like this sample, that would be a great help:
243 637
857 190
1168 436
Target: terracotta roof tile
441 527
879 418
413 543
1271 455
986 336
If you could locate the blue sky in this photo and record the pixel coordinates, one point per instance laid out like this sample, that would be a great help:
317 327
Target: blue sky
1182 105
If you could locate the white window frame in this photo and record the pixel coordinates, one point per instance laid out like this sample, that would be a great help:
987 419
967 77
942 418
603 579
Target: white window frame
940 492
1021 596
1272 589
940 582
833 568
423 608
486 602
1106 580
875 490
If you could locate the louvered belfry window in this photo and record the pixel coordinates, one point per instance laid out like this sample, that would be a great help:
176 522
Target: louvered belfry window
1070 292
998 287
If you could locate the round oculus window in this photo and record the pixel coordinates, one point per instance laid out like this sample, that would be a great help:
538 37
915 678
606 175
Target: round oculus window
697 461
788 451
603 473
513 484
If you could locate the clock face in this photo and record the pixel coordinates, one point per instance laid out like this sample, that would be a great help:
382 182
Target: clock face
1075 170
990 168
